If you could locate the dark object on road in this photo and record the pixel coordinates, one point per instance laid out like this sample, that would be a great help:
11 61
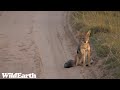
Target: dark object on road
69 63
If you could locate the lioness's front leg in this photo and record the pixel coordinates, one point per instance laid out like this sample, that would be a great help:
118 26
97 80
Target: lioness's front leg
89 57
77 60
83 56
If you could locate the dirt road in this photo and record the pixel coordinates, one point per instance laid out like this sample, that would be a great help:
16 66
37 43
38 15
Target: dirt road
38 42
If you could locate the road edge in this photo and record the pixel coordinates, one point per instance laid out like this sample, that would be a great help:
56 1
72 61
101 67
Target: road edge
68 26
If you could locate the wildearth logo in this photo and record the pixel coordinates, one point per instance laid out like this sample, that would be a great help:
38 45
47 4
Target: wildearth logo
18 75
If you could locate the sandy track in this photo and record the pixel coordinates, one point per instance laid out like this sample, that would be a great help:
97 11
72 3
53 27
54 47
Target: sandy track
38 42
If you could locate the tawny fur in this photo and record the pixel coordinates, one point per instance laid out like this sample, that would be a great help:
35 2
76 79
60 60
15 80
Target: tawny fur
84 53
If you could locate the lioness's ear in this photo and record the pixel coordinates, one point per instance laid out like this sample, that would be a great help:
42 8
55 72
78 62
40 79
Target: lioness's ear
88 33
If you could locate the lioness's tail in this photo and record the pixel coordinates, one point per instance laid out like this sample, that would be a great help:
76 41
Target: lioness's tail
69 63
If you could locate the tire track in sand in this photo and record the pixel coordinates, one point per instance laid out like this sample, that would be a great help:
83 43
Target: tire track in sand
35 55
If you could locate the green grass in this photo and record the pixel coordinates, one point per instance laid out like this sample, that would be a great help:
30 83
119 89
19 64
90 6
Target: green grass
105 33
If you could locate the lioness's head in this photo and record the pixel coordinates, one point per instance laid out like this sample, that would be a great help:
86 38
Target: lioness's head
83 37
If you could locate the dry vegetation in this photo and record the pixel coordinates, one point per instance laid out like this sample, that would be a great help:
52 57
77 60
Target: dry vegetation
105 36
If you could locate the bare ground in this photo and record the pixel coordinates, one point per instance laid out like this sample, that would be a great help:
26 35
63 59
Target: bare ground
40 43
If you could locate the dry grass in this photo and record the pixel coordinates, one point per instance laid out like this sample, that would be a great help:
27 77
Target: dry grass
105 36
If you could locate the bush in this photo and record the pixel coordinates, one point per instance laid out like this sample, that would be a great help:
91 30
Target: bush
105 29
98 29
110 60
102 51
